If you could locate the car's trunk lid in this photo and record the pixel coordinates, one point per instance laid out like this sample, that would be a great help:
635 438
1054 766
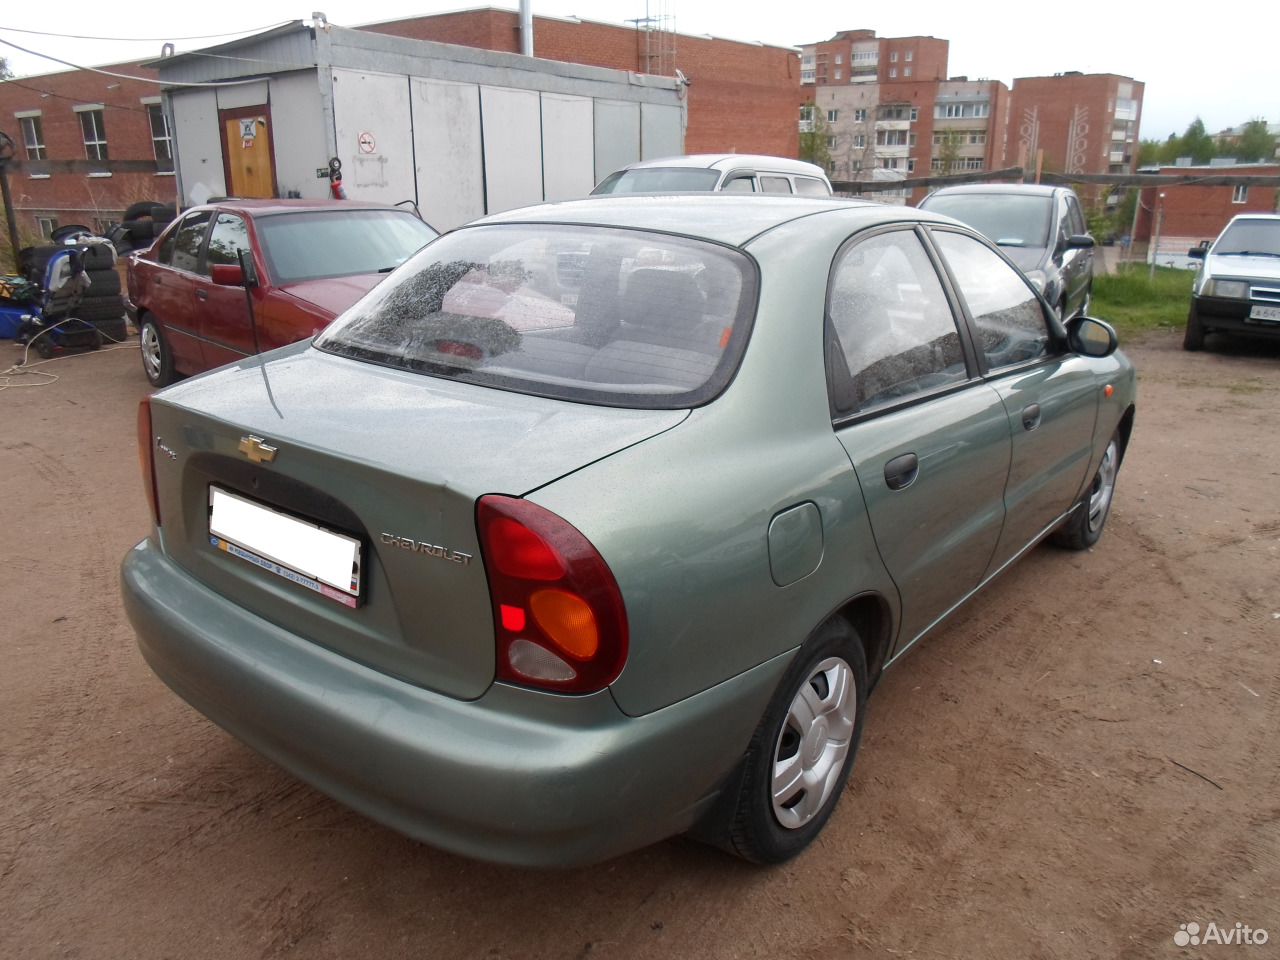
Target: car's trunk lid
393 459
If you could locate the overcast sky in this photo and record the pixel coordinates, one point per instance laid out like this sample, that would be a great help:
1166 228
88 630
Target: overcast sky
1224 69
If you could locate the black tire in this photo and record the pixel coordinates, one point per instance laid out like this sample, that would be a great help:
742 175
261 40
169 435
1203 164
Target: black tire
750 823
95 341
99 308
44 347
1193 336
103 283
1084 527
141 232
157 358
115 330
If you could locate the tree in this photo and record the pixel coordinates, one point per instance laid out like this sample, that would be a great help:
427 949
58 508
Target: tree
5 72
949 151
1195 143
1150 152
1255 142
814 137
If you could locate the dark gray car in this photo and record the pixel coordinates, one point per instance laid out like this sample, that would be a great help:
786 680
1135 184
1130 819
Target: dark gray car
1042 229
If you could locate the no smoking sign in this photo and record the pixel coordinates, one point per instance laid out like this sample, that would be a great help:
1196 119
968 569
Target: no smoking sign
367 143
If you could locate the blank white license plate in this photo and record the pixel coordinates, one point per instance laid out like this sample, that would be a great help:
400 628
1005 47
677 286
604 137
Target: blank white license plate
1265 313
325 562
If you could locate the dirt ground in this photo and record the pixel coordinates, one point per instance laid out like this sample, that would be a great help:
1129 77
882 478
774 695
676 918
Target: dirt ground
1085 758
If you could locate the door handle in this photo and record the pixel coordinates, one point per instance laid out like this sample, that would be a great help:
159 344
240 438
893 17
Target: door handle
1031 416
901 472
202 294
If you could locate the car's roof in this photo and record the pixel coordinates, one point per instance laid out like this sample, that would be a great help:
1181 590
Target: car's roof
1025 189
726 161
1255 216
729 218
264 208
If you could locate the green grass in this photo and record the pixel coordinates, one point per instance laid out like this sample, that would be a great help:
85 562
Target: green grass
1133 304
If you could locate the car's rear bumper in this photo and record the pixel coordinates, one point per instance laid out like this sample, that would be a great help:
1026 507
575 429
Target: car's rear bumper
516 776
1232 316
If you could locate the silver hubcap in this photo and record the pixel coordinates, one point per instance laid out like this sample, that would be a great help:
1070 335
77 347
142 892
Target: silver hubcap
813 744
150 350
1104 486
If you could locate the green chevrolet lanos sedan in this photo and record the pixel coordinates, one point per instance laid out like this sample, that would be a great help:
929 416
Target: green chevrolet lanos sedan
597 521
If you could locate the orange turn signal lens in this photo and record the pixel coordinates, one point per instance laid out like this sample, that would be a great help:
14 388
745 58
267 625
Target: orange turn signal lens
1108 390
568 621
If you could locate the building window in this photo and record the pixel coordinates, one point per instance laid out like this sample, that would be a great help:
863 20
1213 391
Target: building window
95 133
911 164
33 137
906 71
859 140
837 74
977 137
915 114
893 73
831 142
971 163
891 138
893 57
911 140
1240 194
860 115
910 55
832 115
161 137
46 226
839 58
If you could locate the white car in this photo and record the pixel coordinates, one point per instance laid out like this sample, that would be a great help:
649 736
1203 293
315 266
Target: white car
1237 290
729 172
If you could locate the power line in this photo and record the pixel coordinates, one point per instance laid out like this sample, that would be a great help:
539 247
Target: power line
207 36
75 100
128 76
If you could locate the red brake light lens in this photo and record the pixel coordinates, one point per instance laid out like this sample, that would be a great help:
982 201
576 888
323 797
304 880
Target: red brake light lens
559 617
147 457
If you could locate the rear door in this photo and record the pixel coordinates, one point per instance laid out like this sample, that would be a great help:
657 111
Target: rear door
1049 396
222 313
1077 265
927 438
172 295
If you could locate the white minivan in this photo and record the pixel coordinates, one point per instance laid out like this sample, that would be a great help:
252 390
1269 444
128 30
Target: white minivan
730 172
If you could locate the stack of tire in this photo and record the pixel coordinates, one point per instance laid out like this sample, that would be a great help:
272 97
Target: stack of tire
101 304
142 223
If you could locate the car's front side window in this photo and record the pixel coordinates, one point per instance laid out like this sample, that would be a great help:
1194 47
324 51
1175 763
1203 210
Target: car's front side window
894 333
1010 321
190 236
230 236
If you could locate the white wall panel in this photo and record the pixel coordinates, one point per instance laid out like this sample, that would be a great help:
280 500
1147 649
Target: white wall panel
568 146
199 145
660 131
446 137
512 147
298 134
375 107
617 135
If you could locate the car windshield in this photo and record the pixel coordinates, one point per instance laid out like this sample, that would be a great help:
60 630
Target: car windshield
659 180
339 243
601 315
1259 238
1008 219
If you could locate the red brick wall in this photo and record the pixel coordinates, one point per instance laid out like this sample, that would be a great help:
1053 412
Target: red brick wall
1059 103
998 134
1201 212
70 194
928 58
744 98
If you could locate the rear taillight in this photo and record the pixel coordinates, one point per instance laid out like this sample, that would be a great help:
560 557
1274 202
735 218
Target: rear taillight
557 610
147 456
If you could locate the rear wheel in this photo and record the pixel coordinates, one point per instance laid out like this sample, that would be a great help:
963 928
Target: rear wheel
800 757
1193 336
157 358
1084 527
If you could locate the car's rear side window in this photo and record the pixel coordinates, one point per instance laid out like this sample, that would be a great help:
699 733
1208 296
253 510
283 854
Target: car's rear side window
600 315
189 238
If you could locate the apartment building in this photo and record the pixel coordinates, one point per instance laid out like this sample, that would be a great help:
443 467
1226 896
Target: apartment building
1076 122
89 145
859 56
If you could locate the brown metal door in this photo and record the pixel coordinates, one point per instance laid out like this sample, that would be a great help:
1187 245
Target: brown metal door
249 158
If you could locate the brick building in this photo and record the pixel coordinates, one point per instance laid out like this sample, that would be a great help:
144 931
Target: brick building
724 74
1191 214
859 56
1084 123
90 145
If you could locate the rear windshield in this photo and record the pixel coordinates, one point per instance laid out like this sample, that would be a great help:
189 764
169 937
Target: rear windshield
659 180
1004 218
1250 237
338 243
594 314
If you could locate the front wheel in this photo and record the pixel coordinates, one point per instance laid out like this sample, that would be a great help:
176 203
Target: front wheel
157 358
1193 336
1084 527
801 754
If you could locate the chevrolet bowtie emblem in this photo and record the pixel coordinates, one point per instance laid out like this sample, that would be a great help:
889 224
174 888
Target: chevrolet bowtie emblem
257 449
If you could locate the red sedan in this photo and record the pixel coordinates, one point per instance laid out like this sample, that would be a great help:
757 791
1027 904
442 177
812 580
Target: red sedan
228 280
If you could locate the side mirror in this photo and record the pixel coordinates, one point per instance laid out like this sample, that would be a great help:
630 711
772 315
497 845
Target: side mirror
226 275
1090 337
247 270
1080 241
1197 253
